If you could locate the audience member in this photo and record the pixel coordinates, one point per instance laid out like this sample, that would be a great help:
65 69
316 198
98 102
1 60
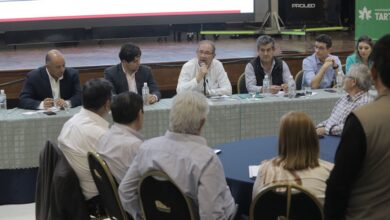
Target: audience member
358 186
320 69
119 146
130 75
266 64
80 134
204 74
356 85
362 54
185 157
298 160
51 85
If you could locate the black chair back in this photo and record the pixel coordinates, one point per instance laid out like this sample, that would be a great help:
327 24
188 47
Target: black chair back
241 85
107 187
298 80
161 199
287 202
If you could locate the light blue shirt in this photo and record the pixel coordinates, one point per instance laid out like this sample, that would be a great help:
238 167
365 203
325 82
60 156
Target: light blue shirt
311 65
354 58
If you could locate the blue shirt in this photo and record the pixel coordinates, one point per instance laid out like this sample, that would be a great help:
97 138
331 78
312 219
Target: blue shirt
311 65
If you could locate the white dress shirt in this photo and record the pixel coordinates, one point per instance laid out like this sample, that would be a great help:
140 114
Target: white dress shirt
55 89
130 77
194 167
118 148
217 81
80 135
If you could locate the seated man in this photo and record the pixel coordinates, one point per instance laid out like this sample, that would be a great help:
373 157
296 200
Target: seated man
120 144
356 84
320 69
130 75
266 64
81 133
185 157
204 74
51 85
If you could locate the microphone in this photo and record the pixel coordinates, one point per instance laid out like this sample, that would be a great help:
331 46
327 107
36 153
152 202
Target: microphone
204 85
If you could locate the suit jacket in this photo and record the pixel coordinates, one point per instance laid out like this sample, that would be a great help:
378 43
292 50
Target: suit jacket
37 88
118 79
58 193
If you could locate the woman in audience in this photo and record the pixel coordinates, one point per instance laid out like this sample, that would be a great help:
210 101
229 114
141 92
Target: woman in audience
298 160
364 47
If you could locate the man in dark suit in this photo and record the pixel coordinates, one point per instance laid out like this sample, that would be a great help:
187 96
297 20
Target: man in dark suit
51 85
130 75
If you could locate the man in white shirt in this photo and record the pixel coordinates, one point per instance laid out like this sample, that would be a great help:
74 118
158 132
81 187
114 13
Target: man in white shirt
204 74
120 144
185 157
51 85
80 134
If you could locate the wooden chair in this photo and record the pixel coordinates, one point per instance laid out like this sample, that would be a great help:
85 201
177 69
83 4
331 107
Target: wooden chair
285 201
298 80
107 187
241 86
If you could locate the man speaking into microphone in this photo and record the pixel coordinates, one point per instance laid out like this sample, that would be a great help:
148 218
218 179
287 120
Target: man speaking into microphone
204 74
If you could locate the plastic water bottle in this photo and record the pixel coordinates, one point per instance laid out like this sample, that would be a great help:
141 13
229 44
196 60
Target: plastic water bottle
3 104
266 86
339 81
145 93
291 87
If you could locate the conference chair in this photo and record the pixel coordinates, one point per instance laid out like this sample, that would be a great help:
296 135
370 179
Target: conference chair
241 86
107 187
298 80
285 201
161 199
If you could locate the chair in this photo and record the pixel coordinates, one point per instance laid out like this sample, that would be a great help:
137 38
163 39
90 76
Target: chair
241 86
161 199
285 201
298 80
58 194
107 187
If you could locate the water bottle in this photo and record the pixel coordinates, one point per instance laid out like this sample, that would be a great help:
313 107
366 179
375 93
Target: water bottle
3 104
266 86
339 81
291 87
145 93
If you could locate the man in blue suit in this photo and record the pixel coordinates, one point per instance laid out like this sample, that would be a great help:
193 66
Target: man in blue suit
51 85
130 75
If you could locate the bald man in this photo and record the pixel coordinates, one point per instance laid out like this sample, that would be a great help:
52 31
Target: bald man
50 85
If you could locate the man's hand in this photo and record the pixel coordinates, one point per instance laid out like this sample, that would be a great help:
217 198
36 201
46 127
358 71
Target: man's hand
48 103
285 87
329 61
60 103
274 89
152 99
320 131
202 72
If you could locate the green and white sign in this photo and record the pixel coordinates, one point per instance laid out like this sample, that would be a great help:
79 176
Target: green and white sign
372 18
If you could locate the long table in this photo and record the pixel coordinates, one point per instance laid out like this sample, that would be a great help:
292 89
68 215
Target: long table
23 136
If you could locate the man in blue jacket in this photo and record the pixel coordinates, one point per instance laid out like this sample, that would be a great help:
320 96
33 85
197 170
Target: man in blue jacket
51 85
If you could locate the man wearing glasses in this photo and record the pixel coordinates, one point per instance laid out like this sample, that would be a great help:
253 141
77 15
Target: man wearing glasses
320 69
204 74
130 75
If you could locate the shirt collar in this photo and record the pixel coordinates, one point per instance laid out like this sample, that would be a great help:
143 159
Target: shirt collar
52 78
95 117
356 96
128 130
179 136
126 73
272 65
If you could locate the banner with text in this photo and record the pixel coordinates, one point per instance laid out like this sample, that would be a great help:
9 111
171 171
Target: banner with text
372 18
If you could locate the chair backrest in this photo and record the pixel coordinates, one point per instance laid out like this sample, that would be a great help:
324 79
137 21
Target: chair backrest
285 201
298 80
107 187
161 199
241 85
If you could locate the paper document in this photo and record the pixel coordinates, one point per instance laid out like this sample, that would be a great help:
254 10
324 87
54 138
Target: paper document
253 170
